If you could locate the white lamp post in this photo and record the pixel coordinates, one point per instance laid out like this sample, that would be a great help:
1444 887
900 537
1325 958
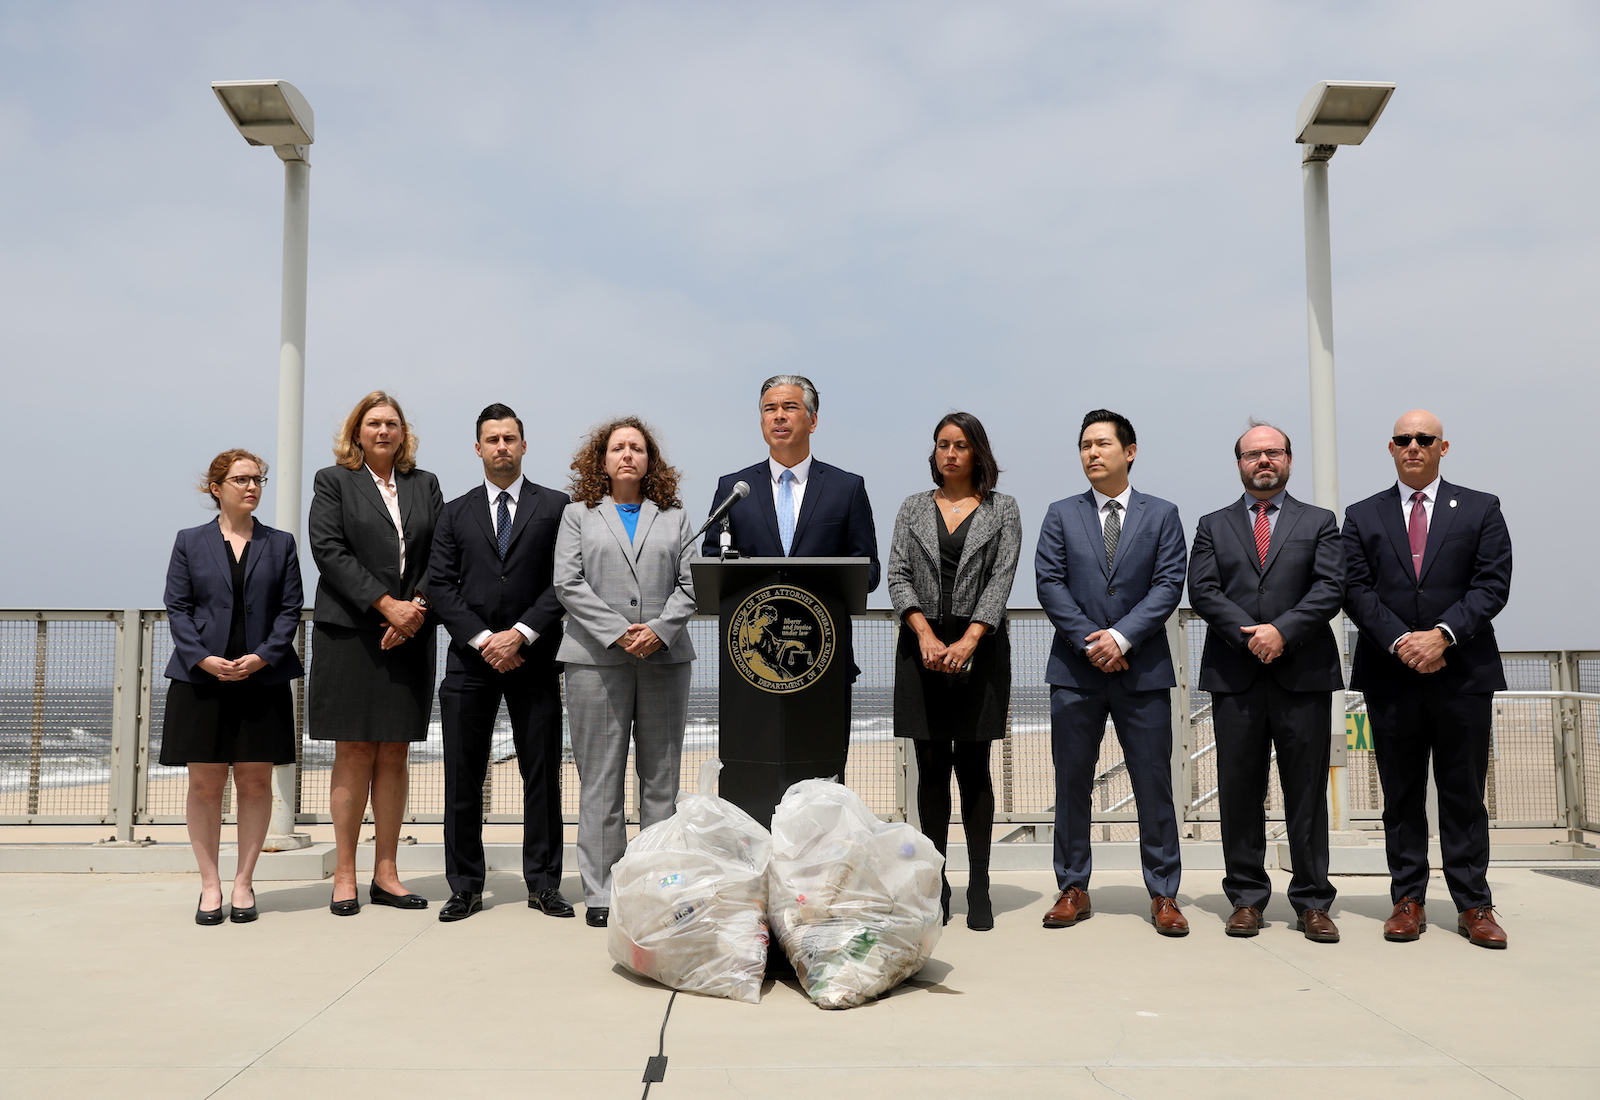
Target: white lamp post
273 112
1334 113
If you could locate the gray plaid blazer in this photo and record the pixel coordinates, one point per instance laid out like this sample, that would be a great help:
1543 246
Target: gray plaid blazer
988 560
606 582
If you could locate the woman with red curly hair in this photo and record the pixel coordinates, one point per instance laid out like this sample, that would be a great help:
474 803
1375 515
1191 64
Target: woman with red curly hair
622 573
233 605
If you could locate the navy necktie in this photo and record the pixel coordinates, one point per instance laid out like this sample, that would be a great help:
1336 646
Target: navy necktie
502 524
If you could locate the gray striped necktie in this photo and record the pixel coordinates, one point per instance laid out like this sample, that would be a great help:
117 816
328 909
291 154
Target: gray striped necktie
1113 530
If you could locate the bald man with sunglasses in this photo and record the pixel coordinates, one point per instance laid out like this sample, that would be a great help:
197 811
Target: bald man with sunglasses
1429 567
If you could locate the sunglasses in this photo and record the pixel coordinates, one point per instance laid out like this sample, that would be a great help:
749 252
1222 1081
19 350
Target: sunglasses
1423 439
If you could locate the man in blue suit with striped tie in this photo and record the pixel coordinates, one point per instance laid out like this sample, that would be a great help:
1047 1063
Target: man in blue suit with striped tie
1110 569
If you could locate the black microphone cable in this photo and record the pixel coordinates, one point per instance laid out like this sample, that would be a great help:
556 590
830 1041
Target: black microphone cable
655 1068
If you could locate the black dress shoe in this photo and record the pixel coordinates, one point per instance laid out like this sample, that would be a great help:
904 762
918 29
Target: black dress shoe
345 908
381 896
596 916
461 905
207 916
244 916
551 903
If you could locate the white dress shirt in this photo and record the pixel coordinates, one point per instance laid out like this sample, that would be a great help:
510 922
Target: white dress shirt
1430 493
494 491
801 471
1100 502
390 493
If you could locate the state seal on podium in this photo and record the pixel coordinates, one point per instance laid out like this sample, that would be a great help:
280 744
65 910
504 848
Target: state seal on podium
781 639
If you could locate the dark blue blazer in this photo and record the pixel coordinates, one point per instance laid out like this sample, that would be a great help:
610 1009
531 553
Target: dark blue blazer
1298 590
835 518
199 601
1135 596
472 590
1465 581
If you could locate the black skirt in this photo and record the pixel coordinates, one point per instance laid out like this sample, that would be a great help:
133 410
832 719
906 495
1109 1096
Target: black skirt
965 706
237 722
359 691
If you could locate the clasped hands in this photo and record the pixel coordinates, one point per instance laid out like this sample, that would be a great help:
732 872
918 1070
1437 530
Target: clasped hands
1104 652
639 640
503 650
1264 641
404 618
224 669
1423 650
938 657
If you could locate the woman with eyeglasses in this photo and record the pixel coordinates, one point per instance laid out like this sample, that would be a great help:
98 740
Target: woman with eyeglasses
951 565
233 604
371 687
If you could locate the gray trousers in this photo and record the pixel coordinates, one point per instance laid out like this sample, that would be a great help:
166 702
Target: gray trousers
606 704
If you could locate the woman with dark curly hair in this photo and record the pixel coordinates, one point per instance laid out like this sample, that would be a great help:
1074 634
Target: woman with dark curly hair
622 573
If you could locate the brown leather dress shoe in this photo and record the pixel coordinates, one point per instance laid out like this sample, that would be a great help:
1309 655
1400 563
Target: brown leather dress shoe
1480 927
1070 908
1168 921
1246 921
1318 926
1407 922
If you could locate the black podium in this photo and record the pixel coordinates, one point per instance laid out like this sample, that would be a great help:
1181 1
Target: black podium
786 663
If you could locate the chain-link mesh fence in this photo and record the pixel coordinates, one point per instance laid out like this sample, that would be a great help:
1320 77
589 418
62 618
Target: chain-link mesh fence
57 691
57 697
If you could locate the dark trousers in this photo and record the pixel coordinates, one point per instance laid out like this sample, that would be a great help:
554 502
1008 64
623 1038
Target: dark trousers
1143 720
1456 730
468 704
936 758
1249 725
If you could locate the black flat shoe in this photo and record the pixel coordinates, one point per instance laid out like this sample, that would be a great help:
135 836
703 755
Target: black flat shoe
461 905
551 903
597 916
207 916
244 916
381 896
345 908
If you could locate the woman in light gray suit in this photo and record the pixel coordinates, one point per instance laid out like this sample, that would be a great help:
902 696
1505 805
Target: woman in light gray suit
951 565
622 573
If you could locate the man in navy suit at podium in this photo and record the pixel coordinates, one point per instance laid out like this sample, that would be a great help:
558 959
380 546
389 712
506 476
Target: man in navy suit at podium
797 507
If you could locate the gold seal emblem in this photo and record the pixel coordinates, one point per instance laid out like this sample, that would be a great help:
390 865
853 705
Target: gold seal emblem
781 639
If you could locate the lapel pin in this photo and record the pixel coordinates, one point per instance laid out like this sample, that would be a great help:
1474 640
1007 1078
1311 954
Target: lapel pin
1452 504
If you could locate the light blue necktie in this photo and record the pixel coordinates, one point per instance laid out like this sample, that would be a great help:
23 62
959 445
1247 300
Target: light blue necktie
786 509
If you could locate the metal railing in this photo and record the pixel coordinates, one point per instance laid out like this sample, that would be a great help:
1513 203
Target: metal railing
82 702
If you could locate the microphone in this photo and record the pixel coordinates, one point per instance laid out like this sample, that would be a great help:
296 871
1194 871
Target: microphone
741 489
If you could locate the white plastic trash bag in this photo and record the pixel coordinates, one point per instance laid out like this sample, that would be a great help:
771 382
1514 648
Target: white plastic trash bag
855 901
689 898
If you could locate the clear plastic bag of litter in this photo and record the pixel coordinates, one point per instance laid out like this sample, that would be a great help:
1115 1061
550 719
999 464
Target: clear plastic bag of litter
854 900
689 898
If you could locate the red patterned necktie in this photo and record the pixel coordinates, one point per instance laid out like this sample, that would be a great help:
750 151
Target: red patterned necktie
1417 529
1263 531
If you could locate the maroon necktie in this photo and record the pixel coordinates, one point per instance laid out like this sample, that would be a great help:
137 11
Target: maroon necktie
1417 530
1263 531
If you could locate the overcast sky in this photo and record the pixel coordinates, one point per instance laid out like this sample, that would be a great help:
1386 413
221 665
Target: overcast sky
1024 210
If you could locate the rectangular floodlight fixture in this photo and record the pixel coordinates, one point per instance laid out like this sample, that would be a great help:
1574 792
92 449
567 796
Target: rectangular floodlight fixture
1340 112
267 112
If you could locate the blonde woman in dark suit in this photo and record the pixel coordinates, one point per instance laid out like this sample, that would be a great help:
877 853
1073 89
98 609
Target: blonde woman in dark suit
371 688
622 573
951 565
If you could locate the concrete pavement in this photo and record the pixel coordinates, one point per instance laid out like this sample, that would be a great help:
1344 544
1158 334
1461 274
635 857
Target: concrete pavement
111 988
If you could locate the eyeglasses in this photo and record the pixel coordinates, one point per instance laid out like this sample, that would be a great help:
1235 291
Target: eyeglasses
1423 439
1272 454
244 481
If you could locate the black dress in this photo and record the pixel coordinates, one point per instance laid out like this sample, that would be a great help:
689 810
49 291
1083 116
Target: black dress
209 721
969 705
